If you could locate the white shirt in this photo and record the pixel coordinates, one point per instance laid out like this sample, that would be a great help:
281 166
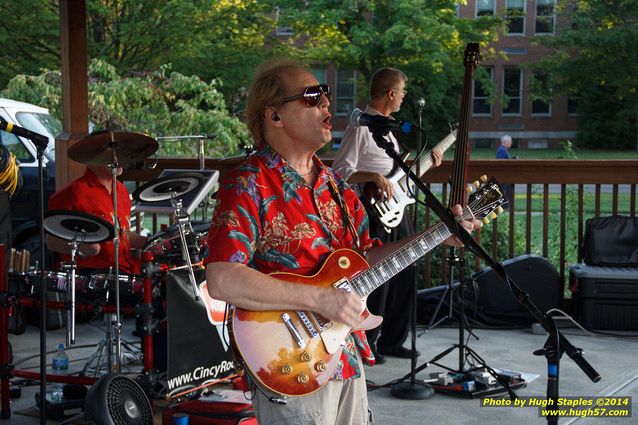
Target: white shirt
359 151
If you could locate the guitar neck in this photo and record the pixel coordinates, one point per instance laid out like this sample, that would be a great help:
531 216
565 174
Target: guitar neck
426 162
375 276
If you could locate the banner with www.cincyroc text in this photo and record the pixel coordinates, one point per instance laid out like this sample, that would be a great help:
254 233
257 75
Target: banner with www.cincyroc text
198 350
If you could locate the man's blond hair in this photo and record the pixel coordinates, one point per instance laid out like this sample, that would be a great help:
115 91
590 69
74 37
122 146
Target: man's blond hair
268 89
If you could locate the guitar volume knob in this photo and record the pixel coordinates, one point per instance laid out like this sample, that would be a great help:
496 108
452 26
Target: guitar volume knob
321 366
286 369
305 356
302 378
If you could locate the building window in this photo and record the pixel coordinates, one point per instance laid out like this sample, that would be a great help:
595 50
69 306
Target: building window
320 74
512 79
537 144
572 105
345 93
515 17
545 14
540 94
485 8
480 95
483 143
283 31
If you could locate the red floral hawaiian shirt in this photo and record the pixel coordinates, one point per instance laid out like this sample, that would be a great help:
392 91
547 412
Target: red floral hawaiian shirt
269 218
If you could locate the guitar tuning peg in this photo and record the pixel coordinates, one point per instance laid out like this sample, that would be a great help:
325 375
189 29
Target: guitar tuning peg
493 215
486 220
483 178
476 184
500 210
469 188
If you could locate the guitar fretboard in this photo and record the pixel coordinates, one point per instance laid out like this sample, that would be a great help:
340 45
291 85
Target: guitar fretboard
377 275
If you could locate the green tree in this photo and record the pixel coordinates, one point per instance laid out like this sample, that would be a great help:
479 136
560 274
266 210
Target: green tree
596 61
158 103
425 39
29 36
214 39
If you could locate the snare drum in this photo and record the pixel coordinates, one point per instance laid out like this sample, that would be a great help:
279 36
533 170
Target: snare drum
100 285
55 281
166 246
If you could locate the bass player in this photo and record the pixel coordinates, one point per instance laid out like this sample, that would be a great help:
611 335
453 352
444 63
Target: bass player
364 165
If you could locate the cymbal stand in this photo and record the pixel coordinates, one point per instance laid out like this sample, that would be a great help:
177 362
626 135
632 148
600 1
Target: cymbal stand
117 325
70 289
184 225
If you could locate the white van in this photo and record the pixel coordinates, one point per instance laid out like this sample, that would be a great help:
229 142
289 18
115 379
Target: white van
24 208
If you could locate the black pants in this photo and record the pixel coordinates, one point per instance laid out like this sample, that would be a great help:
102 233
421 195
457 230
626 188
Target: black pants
393 300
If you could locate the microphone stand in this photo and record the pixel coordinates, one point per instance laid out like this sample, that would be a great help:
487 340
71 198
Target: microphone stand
413 389
557 344
41 143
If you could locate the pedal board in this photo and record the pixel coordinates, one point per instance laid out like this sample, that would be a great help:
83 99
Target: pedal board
475 383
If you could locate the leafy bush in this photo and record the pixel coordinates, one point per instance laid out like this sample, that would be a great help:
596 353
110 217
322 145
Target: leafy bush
158 103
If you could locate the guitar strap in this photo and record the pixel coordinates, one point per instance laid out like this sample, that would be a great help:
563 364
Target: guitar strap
395 166
347 218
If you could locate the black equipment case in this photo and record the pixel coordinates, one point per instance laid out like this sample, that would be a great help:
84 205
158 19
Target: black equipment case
605 298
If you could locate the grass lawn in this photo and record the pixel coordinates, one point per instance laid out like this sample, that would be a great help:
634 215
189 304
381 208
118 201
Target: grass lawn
548 154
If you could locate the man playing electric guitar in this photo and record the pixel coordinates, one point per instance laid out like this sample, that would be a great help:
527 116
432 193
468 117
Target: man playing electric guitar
360 161
284 211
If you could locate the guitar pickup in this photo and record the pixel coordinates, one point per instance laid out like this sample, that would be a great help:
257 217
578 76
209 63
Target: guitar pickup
293 331
307 323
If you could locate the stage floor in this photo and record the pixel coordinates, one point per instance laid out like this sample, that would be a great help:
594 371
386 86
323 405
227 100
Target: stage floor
613 357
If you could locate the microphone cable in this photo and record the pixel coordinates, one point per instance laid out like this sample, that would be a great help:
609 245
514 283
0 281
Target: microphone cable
10 176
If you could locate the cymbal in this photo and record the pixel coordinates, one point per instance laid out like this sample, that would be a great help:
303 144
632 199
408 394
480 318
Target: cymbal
83 227
165 188
98 148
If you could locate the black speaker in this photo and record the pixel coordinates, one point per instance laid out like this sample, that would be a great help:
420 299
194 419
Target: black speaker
496 304
117 400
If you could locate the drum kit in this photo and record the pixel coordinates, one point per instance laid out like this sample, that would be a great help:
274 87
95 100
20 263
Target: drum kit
116 150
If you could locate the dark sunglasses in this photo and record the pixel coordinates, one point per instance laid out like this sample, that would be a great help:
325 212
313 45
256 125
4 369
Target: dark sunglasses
312 95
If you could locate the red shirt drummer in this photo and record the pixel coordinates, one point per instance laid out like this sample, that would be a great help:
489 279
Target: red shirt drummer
91 194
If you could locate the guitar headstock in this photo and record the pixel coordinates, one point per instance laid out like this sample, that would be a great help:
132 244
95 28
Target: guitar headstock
472 55
486 201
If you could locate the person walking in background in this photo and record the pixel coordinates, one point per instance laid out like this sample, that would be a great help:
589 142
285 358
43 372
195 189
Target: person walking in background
503 153
503 150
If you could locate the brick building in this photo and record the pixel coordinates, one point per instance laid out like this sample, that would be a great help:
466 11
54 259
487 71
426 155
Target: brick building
533 123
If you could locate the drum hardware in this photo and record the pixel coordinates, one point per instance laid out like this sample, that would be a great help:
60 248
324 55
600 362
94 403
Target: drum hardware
173 188
77 228
104 360
201 138
104 148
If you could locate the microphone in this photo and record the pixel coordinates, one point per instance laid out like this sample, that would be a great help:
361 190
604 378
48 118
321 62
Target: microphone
38 139
420 103
379 122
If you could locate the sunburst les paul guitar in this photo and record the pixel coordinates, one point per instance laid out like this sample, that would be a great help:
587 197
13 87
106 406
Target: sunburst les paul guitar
390 211
295 353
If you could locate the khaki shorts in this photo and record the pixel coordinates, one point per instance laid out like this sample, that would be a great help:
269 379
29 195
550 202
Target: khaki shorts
336 403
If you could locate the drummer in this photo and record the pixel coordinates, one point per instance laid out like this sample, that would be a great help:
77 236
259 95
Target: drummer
92 194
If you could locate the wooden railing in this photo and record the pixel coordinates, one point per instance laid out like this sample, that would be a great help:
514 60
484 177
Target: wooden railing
552 198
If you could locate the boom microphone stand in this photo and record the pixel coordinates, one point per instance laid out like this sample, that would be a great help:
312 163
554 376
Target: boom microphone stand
412 389
557 344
